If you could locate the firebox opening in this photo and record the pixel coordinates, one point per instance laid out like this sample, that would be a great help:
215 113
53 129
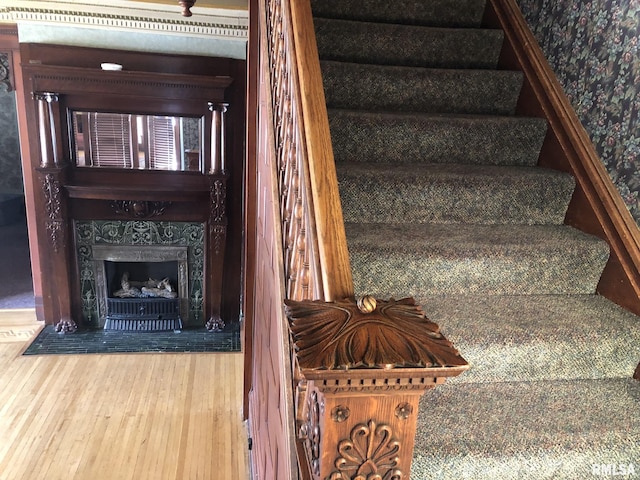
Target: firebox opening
142 296
140 273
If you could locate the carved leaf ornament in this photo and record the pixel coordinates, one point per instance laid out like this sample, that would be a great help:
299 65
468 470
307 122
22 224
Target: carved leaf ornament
338 335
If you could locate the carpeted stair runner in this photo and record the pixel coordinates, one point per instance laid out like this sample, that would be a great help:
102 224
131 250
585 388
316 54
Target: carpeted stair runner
443 201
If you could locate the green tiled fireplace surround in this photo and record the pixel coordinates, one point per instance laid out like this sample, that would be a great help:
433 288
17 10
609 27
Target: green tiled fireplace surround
140 233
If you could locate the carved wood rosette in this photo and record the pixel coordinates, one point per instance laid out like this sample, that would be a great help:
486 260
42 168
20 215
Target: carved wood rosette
364 366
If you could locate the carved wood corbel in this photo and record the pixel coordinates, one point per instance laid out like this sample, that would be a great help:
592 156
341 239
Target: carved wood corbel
364 366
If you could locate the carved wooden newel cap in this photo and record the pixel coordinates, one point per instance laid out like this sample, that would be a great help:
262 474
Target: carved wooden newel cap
368 334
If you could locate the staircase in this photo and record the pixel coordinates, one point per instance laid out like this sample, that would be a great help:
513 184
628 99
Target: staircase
443 201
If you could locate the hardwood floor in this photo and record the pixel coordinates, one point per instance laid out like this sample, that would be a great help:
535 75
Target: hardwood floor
142 416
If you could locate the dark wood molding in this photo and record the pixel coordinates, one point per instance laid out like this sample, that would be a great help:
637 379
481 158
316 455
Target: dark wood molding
9 30
84 81
636 374
596 206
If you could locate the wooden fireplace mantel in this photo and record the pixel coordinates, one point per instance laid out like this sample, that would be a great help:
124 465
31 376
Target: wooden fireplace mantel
150 192
66 79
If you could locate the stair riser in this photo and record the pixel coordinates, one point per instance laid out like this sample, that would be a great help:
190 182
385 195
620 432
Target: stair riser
382 44
436 195
448 13
366 87
371 137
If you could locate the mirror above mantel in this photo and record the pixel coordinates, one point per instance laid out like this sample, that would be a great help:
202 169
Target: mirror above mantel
137 141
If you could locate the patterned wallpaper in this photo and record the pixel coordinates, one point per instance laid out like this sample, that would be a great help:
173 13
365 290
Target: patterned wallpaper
10 168
593 47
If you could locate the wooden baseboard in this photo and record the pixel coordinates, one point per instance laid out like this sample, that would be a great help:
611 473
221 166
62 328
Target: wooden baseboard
596 207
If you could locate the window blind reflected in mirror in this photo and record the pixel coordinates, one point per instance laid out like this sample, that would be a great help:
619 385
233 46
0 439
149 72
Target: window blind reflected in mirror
131 141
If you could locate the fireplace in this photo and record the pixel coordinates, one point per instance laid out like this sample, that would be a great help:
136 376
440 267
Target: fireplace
82 200
143 249
142 288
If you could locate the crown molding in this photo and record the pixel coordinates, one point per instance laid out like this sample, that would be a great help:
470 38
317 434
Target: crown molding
223 23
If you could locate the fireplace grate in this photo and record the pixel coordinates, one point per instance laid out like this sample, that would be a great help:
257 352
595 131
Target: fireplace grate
143 314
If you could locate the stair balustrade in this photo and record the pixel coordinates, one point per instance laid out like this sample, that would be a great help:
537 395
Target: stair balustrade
343 377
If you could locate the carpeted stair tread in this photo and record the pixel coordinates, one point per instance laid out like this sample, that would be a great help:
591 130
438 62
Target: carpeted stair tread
448 13
413 137
528 430
392 260
538 337
393 88
389 44
473 194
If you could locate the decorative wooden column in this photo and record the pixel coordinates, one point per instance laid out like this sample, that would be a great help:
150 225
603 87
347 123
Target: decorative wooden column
52 176
218 221
362 370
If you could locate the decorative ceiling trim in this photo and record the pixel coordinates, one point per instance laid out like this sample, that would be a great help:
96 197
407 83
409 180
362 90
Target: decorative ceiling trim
166 19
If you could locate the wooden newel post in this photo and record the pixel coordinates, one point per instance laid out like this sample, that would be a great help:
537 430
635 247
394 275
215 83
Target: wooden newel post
364 366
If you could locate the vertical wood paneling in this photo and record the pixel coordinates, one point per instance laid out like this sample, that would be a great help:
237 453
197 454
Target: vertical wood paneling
270 399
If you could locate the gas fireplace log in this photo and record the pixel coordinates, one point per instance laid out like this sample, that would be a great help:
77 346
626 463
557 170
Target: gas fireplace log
149 288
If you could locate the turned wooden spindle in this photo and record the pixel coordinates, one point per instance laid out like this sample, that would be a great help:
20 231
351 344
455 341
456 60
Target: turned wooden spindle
47 127
186 7
218 111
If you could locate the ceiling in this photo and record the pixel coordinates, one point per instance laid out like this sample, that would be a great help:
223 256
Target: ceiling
216 28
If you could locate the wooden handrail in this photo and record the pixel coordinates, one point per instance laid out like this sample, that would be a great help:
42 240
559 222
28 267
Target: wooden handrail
316 256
